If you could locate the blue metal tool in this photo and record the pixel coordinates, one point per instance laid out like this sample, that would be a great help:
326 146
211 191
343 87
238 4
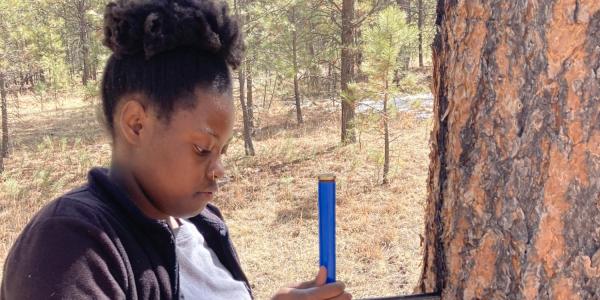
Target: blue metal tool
327 224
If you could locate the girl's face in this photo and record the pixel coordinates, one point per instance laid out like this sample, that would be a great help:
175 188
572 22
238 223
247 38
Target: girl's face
177 163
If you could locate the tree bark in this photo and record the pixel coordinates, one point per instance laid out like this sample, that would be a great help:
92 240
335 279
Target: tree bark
248 145
267 81
359 75
83 39
295 65
249 97
386 135
513 210
420 26
347 74
275 85
4 148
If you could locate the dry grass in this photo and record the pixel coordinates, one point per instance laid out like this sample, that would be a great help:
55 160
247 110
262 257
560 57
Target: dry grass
269 200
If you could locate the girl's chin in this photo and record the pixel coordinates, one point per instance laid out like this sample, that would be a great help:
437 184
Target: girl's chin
195 207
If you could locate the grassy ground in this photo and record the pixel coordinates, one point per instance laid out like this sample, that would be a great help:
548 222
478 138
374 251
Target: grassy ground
269 200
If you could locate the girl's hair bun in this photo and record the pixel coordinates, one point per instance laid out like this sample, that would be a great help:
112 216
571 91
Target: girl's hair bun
151 27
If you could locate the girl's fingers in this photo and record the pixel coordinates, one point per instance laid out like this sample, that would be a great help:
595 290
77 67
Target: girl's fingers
327 291
344 296
318 281
321 276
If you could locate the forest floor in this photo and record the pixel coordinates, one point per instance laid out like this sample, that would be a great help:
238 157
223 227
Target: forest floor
270 200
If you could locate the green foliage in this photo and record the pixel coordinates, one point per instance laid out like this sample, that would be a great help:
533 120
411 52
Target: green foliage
354 93
40 41
269 27
12 188
40 91
91 91
416 104
383 39
411 84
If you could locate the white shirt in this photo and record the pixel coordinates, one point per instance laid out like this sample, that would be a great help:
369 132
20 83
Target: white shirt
201 274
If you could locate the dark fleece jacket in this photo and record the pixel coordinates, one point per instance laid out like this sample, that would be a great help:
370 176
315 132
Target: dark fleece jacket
94 243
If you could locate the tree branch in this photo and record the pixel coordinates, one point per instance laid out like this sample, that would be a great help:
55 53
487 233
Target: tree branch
339 9
376 8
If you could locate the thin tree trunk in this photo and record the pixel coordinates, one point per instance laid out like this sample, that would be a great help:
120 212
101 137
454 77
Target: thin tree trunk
408 12
359 75
348 131
4 148
314 84
83 39
386 135
249 98
403 54
267 82
248 145
275 85
420 26
333 88
295 63
514 183
94 70
70 58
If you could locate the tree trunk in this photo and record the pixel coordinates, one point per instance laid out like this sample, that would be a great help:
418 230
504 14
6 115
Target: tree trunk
295 65
248 146
333 88
249 98
513 210
403 53
4 147
386 135
420 26
405 5
359 75
275 85
347 56
267 81
83 39
94 72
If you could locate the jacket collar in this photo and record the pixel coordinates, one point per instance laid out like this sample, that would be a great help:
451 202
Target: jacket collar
109 191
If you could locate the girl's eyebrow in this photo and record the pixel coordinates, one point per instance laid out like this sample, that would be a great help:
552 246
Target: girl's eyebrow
208 130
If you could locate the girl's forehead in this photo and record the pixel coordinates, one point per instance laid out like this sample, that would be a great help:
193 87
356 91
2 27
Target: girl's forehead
213 115
210 103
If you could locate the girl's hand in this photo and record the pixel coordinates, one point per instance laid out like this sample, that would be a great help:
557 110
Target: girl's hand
314 290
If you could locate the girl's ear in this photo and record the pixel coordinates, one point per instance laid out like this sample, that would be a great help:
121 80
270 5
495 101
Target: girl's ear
133 120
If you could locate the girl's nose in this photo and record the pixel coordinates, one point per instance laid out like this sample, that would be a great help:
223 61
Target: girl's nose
217 170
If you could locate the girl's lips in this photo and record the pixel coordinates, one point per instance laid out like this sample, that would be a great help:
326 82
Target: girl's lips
205 194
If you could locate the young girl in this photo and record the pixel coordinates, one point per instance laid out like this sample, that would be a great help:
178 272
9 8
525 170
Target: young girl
144 229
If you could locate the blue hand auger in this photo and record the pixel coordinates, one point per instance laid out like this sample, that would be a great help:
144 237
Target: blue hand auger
327 224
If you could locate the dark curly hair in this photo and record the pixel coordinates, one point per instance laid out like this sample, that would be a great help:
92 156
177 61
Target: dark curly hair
164 49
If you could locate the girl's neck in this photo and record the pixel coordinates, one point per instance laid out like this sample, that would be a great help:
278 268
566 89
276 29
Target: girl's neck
126 179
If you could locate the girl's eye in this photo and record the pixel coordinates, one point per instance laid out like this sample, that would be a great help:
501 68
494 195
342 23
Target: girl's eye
201 151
